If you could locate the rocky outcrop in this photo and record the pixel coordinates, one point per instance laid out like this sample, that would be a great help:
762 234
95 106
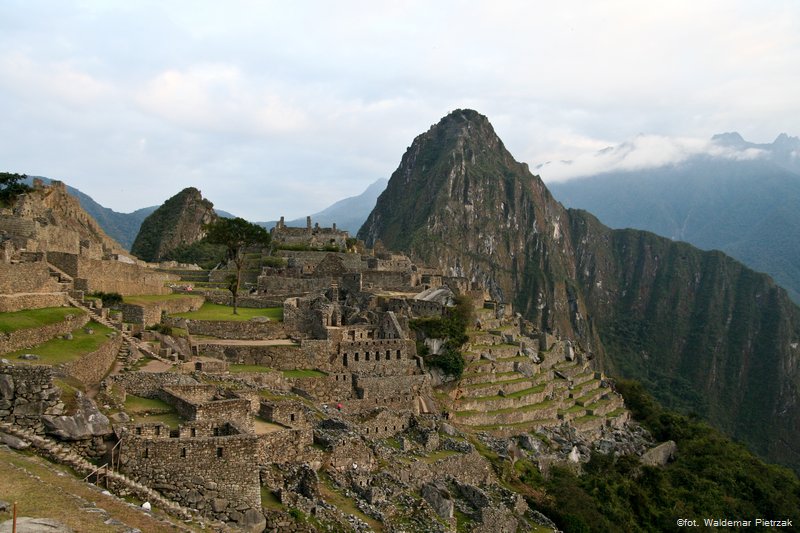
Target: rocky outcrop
88 422
178 222
702 331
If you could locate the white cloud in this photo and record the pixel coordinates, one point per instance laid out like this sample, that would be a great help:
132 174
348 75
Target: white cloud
643 151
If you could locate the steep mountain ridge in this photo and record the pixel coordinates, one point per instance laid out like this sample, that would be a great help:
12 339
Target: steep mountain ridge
179 221
746 208
703 331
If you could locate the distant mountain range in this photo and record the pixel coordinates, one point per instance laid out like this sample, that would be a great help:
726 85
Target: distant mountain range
122 227
348 214
744 206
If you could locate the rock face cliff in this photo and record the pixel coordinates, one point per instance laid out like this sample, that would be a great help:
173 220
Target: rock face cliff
701 330
179 221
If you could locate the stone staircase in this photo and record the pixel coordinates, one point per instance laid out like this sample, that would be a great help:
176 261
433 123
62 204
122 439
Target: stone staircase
64 455
64 280
128 341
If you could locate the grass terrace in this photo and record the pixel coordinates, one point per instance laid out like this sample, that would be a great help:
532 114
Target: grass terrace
57 351
211 311
304 373
150 298
151 410
35 318
241 369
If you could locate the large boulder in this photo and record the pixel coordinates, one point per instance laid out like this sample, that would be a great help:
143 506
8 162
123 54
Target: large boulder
88 422
439 498
660 455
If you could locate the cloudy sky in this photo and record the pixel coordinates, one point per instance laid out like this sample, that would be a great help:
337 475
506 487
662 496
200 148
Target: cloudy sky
277 108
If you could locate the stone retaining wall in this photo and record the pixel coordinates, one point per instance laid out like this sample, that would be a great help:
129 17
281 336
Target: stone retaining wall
281 357
149 384
93 367
30 337
20 302
26 393
149 313
249 330
26 277
285 446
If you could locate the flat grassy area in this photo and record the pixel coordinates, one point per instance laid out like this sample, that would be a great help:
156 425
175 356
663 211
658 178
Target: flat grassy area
518 394
149 298
304 373
58 350
35 318
42 489
151 410
238 369
211 311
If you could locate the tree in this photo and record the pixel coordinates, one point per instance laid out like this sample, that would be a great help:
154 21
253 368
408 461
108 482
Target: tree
11 186
237 235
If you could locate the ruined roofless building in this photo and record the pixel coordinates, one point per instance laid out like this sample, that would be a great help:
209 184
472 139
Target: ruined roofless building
313 237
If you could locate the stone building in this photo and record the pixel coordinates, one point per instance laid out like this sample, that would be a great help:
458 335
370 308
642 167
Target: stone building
314 237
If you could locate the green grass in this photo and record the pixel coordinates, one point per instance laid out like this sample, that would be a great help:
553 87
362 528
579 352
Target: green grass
138 405
269 500
151 410
304 373
498 383
148 298
237 369
57 351
35 318
518 394
211 311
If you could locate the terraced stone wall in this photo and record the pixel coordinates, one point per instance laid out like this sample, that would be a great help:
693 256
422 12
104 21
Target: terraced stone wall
26 393
93 367
248 330
30 337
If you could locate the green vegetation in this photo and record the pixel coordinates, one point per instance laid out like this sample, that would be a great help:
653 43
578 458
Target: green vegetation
57 351
236 235
176 220
164 329
238 369
34 318
202 253
710 477
304 373
152 410
452 327
11 186
211 311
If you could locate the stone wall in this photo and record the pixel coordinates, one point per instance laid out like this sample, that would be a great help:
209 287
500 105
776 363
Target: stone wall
281 356
30 337
149 384
290 413
470 468
215 475
285 446
149 313
378 356
244 300
26 277
290 286
331 389
66 262
26 393
125 278
388 280
385 423
91 368
20 302
249 330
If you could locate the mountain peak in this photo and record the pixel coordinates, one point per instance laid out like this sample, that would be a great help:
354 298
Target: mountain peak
732 138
